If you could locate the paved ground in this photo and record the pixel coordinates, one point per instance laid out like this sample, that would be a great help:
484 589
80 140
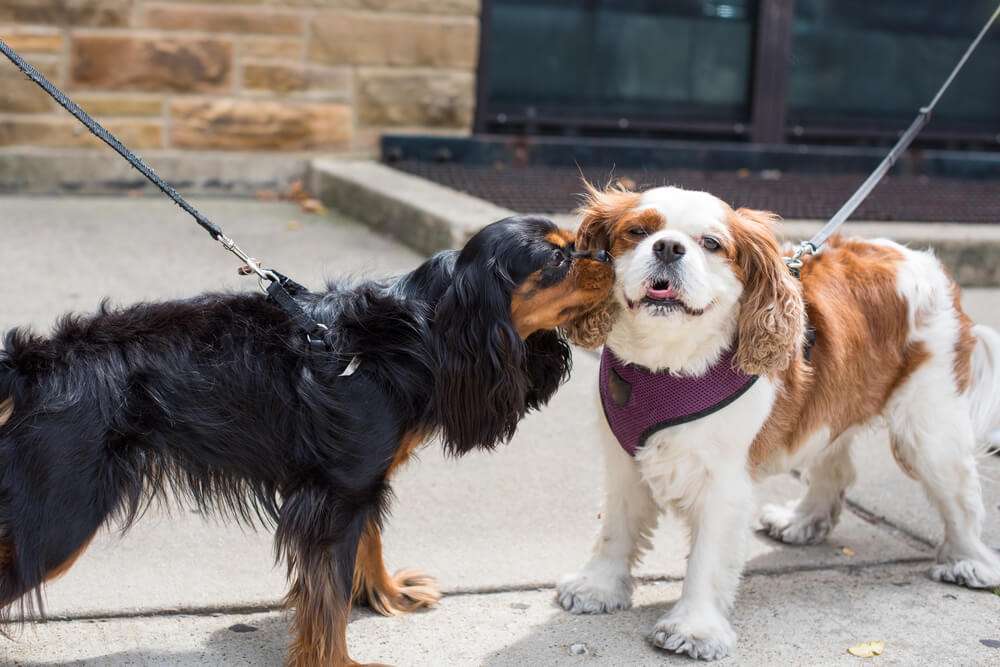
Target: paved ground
497 530
794 195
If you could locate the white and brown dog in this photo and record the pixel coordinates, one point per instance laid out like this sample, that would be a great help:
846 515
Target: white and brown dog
703 295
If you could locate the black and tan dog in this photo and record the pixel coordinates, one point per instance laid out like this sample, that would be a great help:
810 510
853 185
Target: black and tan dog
220 399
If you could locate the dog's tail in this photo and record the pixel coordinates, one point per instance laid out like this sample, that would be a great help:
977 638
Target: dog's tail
984 390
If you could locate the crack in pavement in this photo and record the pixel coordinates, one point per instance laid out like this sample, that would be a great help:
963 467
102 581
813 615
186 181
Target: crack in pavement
271 607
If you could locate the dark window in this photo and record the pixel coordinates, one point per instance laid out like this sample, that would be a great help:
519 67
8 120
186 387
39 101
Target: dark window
861 64
619 63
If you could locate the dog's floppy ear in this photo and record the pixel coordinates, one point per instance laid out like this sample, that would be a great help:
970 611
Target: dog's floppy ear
591 329
599 212
601 209
480 388
772 314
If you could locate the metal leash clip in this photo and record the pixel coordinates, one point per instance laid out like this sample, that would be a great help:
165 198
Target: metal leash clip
251 266
794 262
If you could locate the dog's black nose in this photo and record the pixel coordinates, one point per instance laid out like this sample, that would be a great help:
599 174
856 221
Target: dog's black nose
668 251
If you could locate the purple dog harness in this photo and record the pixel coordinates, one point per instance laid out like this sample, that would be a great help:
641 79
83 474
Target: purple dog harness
638 402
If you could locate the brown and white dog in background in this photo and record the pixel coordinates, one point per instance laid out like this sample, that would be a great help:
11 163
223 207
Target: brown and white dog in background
892 345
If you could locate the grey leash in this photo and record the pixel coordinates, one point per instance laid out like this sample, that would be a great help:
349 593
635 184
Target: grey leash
923 117
281 287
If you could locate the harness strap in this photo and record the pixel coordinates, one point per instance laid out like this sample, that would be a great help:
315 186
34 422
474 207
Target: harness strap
279 291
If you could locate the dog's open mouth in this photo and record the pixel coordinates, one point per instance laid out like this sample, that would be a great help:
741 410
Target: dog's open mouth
661 298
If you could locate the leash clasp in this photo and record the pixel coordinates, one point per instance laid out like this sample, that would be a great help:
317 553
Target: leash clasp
251 265
794 262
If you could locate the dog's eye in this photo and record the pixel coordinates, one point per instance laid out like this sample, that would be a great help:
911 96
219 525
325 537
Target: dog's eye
710 244
558 255
637 232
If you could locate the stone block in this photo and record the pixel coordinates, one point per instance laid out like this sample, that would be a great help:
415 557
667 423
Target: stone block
293 77
32 39
224 19
222 2
18 94
68 133
372 39
457 7
256 125
289 48
153 64
93 13
394 97
120 105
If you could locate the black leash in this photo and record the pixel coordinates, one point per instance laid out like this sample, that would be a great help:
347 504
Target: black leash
281 288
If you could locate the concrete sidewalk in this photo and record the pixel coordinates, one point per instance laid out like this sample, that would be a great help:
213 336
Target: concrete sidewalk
497 530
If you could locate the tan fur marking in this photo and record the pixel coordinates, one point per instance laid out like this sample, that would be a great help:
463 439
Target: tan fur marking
6 410
861 354
6 553
319 629
406 447
406 590
585 286
965 344
560 238
602 213
388 595
63 567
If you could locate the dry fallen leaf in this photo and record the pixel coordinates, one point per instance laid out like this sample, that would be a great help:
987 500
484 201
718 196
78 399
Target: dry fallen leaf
867 650
296 191
312 206
293 225
266 195
848 551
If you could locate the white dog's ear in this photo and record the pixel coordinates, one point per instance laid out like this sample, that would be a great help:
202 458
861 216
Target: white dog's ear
772 314
601 210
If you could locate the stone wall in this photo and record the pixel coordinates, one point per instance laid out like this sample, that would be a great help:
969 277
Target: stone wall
269 75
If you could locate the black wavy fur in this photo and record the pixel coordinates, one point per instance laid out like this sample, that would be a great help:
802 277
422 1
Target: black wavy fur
219 399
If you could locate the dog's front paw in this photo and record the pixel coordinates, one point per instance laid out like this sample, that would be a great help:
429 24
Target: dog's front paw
970 573
416 590
595 590
405 591
701 636
785 523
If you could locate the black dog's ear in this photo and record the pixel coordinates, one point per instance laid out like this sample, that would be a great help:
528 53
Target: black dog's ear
481 388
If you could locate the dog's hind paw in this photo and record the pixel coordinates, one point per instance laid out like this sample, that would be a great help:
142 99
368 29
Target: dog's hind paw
969 573
700 638
786 524
594 591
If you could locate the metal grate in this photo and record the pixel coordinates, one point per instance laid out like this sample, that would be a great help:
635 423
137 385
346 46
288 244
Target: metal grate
537 189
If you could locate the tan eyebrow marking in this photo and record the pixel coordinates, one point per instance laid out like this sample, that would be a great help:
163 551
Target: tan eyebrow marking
560 238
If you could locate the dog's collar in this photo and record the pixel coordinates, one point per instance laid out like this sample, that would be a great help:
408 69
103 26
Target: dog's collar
638 402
